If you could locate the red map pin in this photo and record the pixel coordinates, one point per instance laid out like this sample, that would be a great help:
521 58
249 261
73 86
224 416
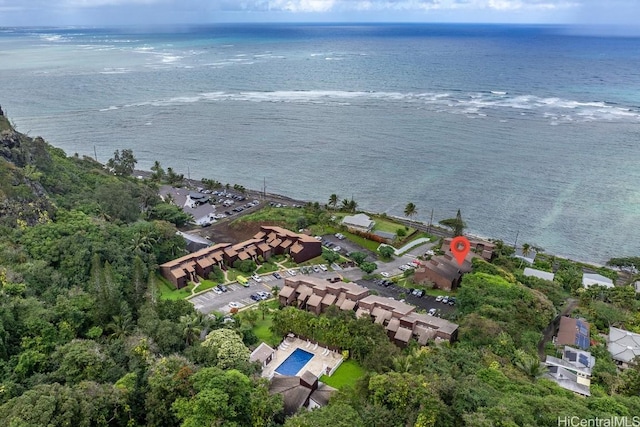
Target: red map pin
460 248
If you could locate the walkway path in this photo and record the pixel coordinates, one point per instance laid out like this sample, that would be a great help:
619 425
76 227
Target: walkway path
411 244
550 330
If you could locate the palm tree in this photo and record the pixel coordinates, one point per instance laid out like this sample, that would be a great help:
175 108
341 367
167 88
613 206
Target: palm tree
333 200
345 204
410 210
353 205
191 327
526 249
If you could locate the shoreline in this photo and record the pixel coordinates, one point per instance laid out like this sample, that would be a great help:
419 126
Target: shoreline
441 232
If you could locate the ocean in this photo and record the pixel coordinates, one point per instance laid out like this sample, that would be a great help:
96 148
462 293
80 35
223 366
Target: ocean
531 131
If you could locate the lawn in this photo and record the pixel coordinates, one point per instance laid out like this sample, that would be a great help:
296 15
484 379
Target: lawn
361 241
262 331
206 284
168 291
267 267
385 224
288 216
345 375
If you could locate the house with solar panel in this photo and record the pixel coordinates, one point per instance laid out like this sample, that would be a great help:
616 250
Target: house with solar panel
573 371
574 332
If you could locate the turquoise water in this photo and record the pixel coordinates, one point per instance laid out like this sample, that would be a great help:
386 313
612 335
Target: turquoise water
528 130
294 363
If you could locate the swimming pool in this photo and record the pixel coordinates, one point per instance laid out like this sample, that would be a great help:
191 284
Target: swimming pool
294 363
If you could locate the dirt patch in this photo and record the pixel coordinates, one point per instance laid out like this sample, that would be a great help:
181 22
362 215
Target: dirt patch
236 232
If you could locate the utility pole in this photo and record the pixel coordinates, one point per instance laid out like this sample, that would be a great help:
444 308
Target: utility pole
516 241
264 187
430 222
95 154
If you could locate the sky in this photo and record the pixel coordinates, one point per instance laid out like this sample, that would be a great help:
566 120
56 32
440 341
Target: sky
613 13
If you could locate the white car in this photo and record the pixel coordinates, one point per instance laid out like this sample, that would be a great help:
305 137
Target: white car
234 304
316 269
217 290
336 248
256 278
384 274
432 312
323 267
439 298
291 272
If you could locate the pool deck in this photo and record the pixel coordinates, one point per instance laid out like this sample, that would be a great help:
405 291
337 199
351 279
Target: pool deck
317 365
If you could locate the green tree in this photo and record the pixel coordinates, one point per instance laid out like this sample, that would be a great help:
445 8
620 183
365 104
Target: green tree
358 257
457 225
333 200
191 327
386 251
410 210
338 415
330 256
368 267
122 163
168 380
158 174
231 351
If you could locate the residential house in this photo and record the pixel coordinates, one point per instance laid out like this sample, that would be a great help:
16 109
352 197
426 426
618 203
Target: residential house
443 271
269 241
532 272
573 332
592 279
399 319
263 354
358 222
403 323
480 248
624 346
194 242
298 392
573 371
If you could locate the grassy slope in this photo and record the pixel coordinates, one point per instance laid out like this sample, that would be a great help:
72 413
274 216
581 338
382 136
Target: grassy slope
345 375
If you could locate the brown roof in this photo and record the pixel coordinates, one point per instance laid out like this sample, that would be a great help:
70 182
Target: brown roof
275 243
322 394
263 247
296 248
362 312
261 353
205 262
425 334
192 257
293 393
397 307
260 235
381 314
568 330
314 300
286 291
329 299
304 291
403 334
286 243
178 272
341 299
348 305
230 252
393 325
242 256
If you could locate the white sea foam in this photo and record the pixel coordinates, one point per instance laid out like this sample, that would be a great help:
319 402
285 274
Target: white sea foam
472 104
113 107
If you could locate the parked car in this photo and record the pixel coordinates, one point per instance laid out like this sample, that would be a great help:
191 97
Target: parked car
432 312
439 298
256 278
264 295
337 249
277 275
316 269
223 288
452 301
255 297
234 304
291 272
217 290
384 274
445 300
323 267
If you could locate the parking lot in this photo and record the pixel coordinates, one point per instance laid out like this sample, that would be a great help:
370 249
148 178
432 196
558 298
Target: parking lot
426 302
210 301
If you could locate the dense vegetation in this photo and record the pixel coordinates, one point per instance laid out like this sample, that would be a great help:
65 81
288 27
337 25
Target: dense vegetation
86 340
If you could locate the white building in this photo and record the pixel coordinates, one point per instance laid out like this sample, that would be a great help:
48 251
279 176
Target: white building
359 222
592 279
624 346
573 371
538 273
